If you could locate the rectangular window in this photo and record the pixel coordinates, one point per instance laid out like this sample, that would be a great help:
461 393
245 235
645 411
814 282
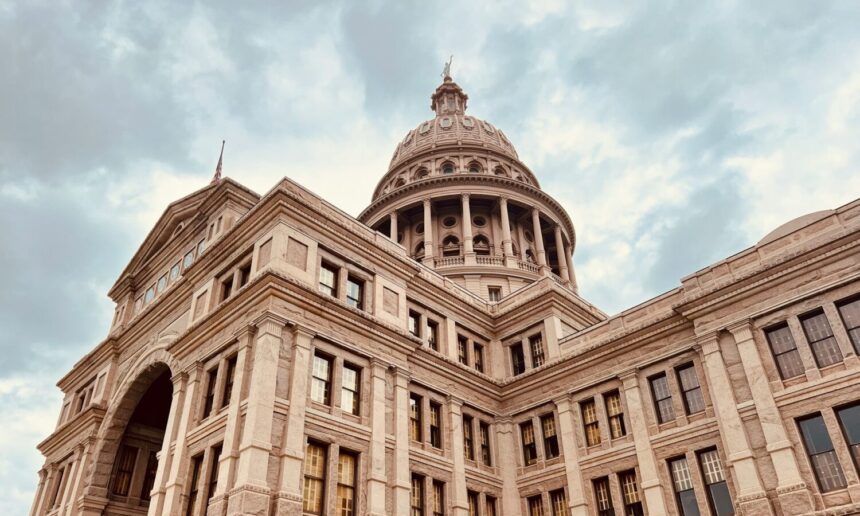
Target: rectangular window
692 392
849 418
244 274
630 494
536 347
820 337
227 287
438 498
491 505
602 497
417 495
462 343
850 312
535 504
473 502
313 487
486 457
228 381
683 486
784 351
209 400
355 292
435 425
527 432
719 499
58 488
518 360
328 279
150 294
590 423
349 397
174 272
495 293
346 467
478 354
321 380
124 470
162 284
213 472
550 439
558 502
819 447
414 323
433 335
188 260
468 438
149 477
194 489
615 413
662 398
415 417
201 246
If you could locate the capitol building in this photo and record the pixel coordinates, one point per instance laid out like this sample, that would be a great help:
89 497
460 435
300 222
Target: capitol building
273 355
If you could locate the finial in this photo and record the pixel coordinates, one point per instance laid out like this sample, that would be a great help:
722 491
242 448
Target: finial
446 72
217 176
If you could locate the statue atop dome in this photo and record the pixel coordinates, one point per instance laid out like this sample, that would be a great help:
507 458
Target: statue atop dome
446 72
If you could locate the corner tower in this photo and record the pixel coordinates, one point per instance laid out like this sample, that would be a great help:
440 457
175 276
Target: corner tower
458 198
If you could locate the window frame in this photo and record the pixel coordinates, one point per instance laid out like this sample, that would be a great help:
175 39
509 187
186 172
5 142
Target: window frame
355 390
812 455
551 449
590 422
616 417
688 392
852 331
793 352
318 380
823 357
659 402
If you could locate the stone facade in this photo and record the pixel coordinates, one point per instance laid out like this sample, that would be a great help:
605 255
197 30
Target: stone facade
273 355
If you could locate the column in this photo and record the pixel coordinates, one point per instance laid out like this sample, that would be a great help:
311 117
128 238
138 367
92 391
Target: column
293 444
793 494
156 502
577 504
402 475
751 493
428 233
568 252
507 461
174 486
459 496
77 488
538 234
560 256
230 447
651 487
376 479
393 217
251 494
38 500
466 224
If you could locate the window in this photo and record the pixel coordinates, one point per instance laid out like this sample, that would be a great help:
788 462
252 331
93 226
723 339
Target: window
693 401
417 495
321 380
527 432
346 463
473 502
414 322
244 274
415 417
784 351
213 472
313 487
124 470
478 354
850 313
194 489
462 343
150 294
518 360
535 504
719 499
849 418
355 293
328 279
630 494
468 438
615 414
662 398
201 246
435 425
349 397
188 260
486 458
495 293
820 337
58 487
819 447
227 287
438 498
149 477
228 382
589 422
174 272
447 168
162 284
550 439
433 335
536 346
602 498
490 502
683 486
209 400
558 503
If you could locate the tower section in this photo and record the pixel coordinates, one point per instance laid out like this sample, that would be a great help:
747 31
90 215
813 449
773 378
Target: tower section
458 198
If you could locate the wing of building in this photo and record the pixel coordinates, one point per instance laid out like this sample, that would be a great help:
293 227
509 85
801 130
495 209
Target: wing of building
272 355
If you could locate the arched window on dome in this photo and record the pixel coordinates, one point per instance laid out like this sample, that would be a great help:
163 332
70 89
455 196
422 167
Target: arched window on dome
474 167
399 182
447 168
419 251
421 173
530 256
451 246
481 245
500 171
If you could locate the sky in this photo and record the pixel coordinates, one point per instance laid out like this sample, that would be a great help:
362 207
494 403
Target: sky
674 133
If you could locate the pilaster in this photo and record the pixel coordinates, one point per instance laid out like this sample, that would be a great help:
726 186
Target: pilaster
459 496
402 476
507 460
428 232
376 476
576 492
175 483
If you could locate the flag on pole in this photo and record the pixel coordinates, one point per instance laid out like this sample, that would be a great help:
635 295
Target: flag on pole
217 176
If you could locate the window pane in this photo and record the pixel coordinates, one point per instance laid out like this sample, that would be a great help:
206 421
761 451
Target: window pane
602 497
518 360
536 346
815 435
688 504
850 419
824 347
314 479
558 503
785 351
850 312
721 501
819 447
680 475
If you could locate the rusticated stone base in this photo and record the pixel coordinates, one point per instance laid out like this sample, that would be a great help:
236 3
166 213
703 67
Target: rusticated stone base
217 506
249 500
795 500
288 505
755 505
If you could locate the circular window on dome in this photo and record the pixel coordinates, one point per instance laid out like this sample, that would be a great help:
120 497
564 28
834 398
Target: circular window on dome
419 228
468 123
479 221
449 222
448 168
529 236
445 122
489 128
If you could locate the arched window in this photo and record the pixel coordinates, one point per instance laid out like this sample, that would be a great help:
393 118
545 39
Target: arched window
419 251
499 171
421 173
451 246
530 257
447 168
481 245
474 167
400 182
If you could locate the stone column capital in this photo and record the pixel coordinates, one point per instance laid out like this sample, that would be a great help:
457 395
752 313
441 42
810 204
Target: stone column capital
302 335
245 333
562 402
400 373
454 401
629 378
465 197
708 343
378 366
270 324
426 202
179 379
741 330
